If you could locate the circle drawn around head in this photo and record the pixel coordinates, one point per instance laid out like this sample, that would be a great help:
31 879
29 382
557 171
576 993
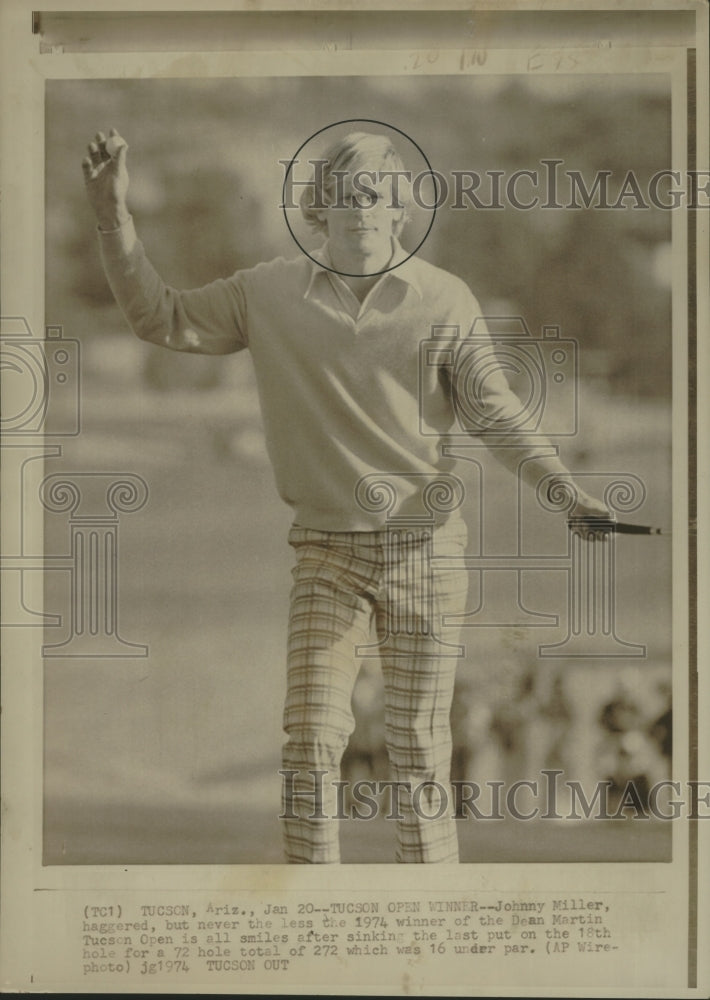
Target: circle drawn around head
288 179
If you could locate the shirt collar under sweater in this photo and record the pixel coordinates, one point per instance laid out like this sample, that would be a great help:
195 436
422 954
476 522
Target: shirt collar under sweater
402 263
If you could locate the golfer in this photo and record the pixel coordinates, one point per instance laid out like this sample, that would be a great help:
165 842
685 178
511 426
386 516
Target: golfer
350 418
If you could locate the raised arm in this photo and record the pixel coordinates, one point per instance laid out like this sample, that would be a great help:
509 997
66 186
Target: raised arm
208 320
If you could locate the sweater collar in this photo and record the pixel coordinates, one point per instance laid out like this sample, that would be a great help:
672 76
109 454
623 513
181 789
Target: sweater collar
403 265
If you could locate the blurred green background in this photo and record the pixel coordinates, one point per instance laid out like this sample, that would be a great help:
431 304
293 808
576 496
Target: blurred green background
174 758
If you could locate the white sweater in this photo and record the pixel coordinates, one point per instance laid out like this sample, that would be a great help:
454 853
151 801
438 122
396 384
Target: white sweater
348 390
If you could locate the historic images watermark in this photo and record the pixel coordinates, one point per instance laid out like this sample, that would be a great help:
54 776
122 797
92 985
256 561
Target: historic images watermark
548 798
549 185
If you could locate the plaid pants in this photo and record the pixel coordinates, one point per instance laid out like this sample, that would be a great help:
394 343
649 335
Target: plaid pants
343 582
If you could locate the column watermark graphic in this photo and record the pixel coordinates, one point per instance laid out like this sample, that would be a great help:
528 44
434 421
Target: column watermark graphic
411 505
93 557
592 598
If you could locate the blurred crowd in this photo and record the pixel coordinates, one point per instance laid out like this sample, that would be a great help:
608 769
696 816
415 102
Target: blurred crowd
593 723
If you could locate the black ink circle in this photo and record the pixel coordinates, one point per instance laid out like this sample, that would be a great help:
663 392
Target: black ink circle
349 121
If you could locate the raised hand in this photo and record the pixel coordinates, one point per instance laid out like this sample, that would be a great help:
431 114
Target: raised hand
106 179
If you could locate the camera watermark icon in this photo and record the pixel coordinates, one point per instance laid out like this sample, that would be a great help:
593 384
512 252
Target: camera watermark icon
499 354
41 381
541 370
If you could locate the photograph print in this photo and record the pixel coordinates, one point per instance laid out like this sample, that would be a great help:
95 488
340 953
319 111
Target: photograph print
362 535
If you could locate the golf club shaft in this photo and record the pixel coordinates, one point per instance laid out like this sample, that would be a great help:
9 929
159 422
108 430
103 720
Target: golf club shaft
619 527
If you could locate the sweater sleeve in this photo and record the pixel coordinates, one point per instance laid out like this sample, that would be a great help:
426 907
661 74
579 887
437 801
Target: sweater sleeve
490 410
207 320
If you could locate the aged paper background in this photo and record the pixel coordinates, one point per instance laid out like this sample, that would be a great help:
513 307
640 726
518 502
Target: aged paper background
140 775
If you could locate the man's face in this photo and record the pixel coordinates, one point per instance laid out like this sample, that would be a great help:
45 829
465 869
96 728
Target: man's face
362 213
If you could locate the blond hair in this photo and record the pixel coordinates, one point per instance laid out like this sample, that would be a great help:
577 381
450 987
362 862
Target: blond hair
358 151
